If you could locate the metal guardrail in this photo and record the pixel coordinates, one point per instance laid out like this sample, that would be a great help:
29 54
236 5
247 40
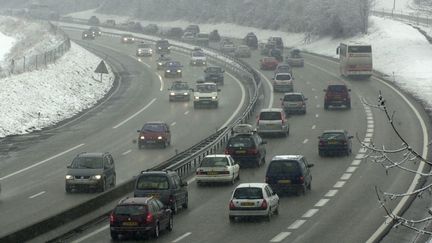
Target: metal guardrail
409 17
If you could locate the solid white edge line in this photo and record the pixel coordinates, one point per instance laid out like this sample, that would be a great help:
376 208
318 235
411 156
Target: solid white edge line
243 92
91 234
126 152
161 82
280 237
37 194
271 99
136 113
41 162
182 237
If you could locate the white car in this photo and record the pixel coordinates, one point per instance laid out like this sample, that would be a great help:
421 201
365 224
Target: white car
198 58
218 168
253 200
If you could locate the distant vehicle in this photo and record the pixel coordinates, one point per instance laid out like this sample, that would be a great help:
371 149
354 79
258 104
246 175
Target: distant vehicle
188 37
154 133
272 121
202 39
337 95
110 23
140 216
294 103
206 94
127 38
88 35
95 30
163 47
266 47
150 29
193 28
246 147
227 46
268 63
91 171
289 173
144 50
283 68
173 69
214 36
161 61
278 42
276 53
355 60
179 90
217 168
295 58
251 40
175 32
253 200
167 186
242 51
198 58
214 74
334 142
283 82
93 20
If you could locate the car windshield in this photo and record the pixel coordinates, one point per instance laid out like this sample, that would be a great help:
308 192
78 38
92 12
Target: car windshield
293 98
87 163
283 77
284 68
248 193
333 135
130 210
270 115
283 167
180 86
152 127
214 162
198 54
206 88
144 46
173 64
152 182
240 142
337 88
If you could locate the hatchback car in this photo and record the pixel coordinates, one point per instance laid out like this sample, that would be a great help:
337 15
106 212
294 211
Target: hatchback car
289 173
283 68
127 38
242 51
167 186
179 90
156 132
214 74
337 95
91 171
140 216
268 63
253 200
173 69
144 50
334 142
294 103
295 59
272 121
251 40
283 82
162 46
227 46
278 42
247 148
217 168
95 30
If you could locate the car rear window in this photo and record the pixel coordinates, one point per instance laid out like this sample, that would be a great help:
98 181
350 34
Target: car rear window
283 167
87 163
130 210
293 98
270 115
152 182
239 141
214 162
248 193
283 77
153 128
198 54
333 136
337 88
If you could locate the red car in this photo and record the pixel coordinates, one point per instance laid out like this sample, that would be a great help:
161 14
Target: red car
268 63
156 132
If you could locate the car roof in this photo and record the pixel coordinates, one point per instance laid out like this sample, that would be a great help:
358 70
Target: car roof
336 85
157 172
91 154
287 157
217 156
155 122
334 131
206 83
257 184
271 110
134 200
293 93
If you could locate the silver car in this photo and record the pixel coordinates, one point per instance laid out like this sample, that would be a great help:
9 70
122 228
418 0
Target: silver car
272 121
242 51
294 102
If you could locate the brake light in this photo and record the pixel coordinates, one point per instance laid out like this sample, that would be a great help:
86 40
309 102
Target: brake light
149 218
321 142
252 151
264 204
200 173
227 151
301 179
171 199
231 205
112 218
266 179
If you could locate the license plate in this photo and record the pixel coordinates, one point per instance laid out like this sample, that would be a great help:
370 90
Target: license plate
284 181
130 223
212 173
247 204
151 141
241 152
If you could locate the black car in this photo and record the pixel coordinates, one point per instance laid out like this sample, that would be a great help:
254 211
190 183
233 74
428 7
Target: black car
95 30
162 47
88 35
214 36
193 28
167 186
247 148
289 173
214 74
337 95
334 142
173 69
276 53
140 216
161 61
251 40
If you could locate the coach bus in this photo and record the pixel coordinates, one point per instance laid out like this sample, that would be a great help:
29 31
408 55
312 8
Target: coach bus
355 60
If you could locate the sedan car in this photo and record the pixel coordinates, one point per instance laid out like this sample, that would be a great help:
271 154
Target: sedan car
156 132
335 142
179 90
88 35
253 200
140 216
242 51
173 69
95 30
294 102
268 63
217 168
144 50
272 121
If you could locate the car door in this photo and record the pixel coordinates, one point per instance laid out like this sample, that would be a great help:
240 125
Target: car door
307 172
111 166
107 170
260 145
158 212
164 212
272 198
178 190
235 167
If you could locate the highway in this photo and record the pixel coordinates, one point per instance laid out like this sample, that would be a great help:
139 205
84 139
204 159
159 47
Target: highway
342 205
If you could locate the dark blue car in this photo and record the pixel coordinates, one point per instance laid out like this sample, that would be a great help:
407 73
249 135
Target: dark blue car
173 69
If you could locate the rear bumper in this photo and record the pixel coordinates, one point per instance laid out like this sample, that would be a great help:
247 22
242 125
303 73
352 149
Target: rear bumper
120 229
283 87
215 178
248 213
333 149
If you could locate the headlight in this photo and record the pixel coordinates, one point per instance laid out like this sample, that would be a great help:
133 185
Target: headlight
142 137
169 47
125 39
204 62
196 97
172 93
96 177
214 97
185 93
159 47
160 64
133 39
69 177
160 137
168 71
179 71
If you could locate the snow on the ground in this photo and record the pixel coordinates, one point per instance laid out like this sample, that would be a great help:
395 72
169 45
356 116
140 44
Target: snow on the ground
6 43
399 5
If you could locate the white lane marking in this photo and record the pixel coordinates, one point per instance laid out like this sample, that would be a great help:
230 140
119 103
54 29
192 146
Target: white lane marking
331 193
161 82
297 224
239 106
313 127
370 130
339 184
369 135
182 237
370 122
367 140
356 162
41 162
318 106
91 234
366 144
124 153
186 112
271 98
136 113
147 65
305 141
316 115
351 169
280 237
346 176
369 118
359 156
191 180
173 124
316 97
37 194
311 212
322 202
313 89
370 126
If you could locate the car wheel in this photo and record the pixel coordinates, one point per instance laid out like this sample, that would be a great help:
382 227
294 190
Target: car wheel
139 146
238 176
102 186
321 153
174 208
232 180
232 219
164 145
185 204
113 183
258 163
68 189
326 106
170 223
268 216
287 133
309 187
156 231
114 235
349 105
195 106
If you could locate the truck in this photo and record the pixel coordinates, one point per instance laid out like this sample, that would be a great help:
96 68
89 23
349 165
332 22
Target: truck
206 94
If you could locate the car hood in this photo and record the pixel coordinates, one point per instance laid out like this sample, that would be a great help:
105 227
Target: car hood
180 91
84 172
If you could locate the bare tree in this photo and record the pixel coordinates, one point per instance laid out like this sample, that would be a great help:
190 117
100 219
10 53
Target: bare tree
407 156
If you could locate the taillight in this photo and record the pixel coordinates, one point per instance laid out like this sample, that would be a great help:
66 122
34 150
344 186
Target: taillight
200 172
112 218
266 179
252 151
264 204
226 151
301 179
321 142
149 218
231 205
171 199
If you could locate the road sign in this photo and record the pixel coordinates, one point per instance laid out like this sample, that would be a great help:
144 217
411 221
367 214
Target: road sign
101 68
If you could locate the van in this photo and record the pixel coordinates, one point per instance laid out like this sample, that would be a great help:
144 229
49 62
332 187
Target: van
289 173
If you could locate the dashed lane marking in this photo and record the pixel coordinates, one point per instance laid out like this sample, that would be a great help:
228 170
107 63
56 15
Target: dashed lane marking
331 193
280 237
311 212
313 127
356 162
136 113
346 176
339 184
37 194
316 115
305 141
186 112
297 224
182 237
351 169
124 153
91 234
360 156
173 124
322 202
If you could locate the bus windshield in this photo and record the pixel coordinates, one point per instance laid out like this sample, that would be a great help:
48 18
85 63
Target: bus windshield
359 49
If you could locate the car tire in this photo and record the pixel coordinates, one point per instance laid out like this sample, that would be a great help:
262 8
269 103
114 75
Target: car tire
114 235
174 208
232 219
309 187
232 182
185 204
321 153
68 189
156 231
349 106
326 106
195 105
238 176
170 225
102 187
268 216
113 183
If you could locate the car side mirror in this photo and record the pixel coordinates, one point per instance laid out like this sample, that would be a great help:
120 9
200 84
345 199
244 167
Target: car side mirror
68 166
349 90
310 165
